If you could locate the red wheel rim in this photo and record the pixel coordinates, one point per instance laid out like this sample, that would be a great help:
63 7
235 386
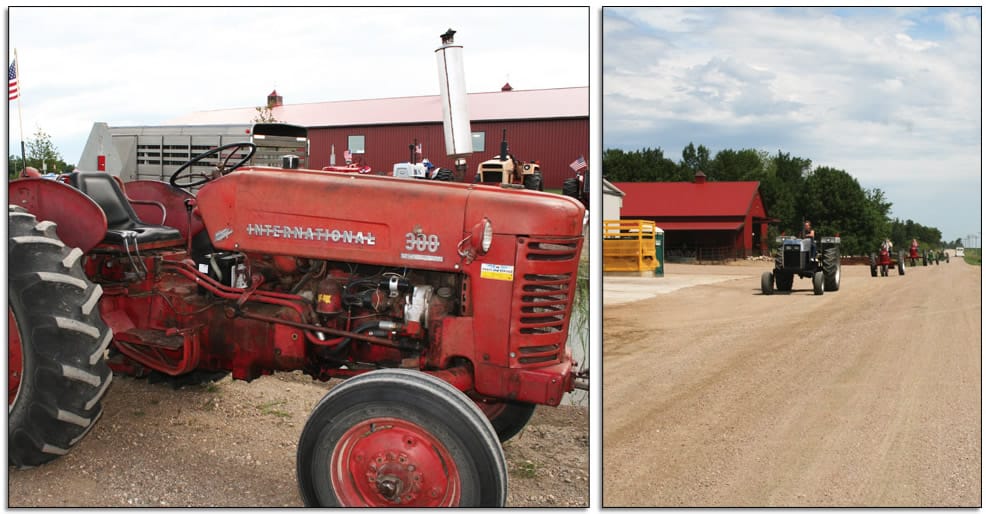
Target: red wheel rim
384 462
15 358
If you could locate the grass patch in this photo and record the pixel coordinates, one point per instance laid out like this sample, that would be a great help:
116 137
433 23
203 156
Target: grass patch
139 413
212 387
526 469
974 256
271 409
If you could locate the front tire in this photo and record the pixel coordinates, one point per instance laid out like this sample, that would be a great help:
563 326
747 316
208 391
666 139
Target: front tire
508 418
767 283
817 282
570 187
533 182
399 438
56 344
901 266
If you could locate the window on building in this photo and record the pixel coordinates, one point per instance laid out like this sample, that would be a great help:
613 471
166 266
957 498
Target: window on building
479 141
357 144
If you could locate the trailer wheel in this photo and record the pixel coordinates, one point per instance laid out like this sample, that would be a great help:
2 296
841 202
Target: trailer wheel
56 343
784 281
833 269
767 283
817 282
399 438
508 418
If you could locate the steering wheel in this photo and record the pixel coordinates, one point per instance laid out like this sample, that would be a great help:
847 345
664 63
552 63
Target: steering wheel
197 178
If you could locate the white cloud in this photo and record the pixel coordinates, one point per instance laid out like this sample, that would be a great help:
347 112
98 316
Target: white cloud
888 93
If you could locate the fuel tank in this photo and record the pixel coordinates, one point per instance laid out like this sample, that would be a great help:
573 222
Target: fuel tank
370 219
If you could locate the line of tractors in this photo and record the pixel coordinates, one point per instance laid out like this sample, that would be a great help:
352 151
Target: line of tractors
821 262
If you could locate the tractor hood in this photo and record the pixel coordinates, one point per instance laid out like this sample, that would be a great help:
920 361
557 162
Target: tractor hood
371 219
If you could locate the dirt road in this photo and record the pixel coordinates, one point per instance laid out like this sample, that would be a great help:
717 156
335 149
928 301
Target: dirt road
715 395
233 444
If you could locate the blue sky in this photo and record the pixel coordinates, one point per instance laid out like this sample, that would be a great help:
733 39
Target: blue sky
891 95
144 66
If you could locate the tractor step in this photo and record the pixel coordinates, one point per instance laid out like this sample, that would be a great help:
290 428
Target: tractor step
149 337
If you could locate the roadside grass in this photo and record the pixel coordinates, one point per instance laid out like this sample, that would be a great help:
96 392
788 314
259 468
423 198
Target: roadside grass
974 256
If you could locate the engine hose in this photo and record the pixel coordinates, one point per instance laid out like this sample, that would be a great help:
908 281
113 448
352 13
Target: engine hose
359 330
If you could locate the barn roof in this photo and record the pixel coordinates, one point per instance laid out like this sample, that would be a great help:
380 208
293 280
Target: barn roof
570 102
687 199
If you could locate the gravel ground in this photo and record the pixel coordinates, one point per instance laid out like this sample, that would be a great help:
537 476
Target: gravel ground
718 396
232 444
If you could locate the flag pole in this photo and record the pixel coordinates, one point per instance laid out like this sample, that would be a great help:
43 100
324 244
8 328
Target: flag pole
20 117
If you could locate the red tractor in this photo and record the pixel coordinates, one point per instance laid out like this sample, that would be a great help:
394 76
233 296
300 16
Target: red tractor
882 262
446 306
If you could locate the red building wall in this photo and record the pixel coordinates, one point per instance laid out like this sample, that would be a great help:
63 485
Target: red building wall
553 143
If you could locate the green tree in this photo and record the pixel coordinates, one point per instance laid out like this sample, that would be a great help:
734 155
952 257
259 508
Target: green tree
695 159
730 165
647 165
264 115
42 154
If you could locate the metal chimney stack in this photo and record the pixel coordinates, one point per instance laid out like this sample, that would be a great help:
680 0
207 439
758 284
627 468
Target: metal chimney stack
452 84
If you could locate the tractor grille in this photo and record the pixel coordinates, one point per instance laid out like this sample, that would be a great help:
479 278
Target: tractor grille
793 257
543 293
492 176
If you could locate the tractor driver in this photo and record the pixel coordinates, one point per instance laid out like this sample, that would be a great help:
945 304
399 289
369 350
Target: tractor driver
809 233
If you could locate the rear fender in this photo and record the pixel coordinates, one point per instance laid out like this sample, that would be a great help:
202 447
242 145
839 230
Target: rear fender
150 197
81 223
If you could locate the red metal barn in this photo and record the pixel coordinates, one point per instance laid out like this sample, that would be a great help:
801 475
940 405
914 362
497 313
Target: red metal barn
707 220
550 126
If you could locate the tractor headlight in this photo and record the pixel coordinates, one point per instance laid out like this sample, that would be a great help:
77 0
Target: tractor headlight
487 239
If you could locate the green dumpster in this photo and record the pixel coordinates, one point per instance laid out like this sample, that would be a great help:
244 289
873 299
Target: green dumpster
659 252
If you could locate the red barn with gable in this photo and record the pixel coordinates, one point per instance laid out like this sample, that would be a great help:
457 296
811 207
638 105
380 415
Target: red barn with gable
714 219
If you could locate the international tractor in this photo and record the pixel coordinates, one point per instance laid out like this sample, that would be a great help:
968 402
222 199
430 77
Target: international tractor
801 258
505 169
883 261
445 306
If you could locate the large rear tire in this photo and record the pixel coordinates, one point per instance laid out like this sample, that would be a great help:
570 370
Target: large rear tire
400 438
833 269
767 283
56 344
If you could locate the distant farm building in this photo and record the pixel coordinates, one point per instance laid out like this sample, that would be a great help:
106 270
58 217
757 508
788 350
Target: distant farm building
706 220
550 126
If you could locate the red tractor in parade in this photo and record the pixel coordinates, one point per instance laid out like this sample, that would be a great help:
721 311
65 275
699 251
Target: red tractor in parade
882 262
445 306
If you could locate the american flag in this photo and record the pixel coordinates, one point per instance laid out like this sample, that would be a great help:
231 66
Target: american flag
579 164
12 91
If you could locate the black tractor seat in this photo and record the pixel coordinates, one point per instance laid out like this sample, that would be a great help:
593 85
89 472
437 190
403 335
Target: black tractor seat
123 227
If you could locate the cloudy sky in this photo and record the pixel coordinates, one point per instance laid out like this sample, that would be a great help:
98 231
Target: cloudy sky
891 95
144 66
